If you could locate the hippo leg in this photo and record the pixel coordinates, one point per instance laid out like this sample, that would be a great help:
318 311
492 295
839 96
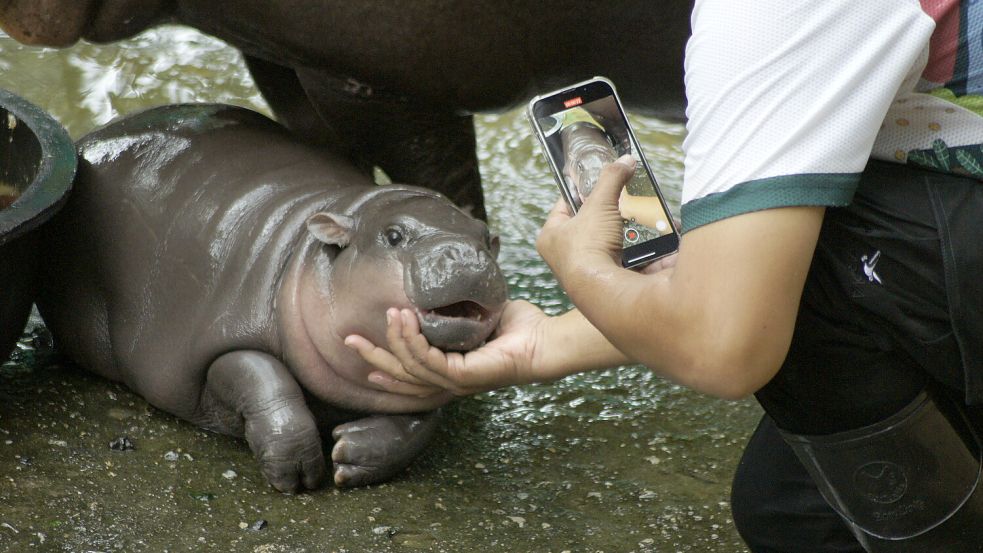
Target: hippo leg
282 90
252 394
435 150
414 143
373 449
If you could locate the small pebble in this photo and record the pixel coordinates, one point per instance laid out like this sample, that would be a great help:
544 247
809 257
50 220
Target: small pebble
260 524
11 528
229 474
171 456
123 443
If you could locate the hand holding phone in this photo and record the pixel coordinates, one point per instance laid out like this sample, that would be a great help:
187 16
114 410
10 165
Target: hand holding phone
582 128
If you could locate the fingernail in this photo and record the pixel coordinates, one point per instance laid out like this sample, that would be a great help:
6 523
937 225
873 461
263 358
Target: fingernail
389 316
349 342
626 159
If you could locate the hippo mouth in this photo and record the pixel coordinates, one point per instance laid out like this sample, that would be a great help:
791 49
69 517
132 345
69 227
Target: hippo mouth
459 326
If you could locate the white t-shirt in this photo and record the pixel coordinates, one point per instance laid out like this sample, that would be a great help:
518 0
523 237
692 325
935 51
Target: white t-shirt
788 99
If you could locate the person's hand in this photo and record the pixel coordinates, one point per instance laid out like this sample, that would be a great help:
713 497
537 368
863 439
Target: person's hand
591 239
659 265
663 262
411 366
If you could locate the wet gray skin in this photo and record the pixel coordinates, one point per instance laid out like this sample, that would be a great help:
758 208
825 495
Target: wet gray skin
394 84
214 265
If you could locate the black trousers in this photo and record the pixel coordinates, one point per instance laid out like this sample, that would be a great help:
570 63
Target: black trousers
893 303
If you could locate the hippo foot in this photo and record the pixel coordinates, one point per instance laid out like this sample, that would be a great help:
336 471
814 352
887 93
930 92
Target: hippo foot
293 461
373 449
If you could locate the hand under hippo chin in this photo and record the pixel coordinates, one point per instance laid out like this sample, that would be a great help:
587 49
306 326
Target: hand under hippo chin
214 265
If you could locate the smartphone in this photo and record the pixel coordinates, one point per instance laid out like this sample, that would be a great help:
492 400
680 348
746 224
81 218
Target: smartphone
582 128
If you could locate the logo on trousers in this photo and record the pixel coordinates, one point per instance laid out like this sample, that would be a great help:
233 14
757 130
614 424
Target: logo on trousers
870 263
881 482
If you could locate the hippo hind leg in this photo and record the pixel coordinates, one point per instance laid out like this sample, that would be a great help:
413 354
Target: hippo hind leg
374 449
413 142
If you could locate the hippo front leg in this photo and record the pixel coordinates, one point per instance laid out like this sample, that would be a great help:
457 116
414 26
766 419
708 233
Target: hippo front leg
374 449
252 394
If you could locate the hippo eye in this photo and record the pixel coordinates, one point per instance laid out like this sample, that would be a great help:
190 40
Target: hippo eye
393 236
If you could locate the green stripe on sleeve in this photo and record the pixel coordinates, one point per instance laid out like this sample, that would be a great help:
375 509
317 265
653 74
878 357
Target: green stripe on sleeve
827 189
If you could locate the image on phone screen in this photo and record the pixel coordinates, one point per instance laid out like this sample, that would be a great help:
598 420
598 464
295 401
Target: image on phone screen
585 138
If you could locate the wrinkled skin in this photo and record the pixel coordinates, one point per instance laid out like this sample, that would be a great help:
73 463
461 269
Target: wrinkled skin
213 264
393 84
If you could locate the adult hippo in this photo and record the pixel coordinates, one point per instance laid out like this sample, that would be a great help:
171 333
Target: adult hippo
213 264
393 84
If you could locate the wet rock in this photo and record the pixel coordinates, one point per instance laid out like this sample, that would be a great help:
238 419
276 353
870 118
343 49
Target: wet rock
260 524
123 443
171 456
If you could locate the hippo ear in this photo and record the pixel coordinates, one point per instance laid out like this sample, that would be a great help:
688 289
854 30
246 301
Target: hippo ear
331 228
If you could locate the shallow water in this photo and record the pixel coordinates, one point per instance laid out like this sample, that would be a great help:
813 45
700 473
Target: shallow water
613 461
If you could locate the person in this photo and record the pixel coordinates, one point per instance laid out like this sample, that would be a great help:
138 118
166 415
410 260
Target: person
829 265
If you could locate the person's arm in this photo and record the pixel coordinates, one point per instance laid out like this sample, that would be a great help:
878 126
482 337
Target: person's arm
529 347
785 100
721 320
722 332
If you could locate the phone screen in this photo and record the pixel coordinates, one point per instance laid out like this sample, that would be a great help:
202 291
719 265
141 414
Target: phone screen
583 129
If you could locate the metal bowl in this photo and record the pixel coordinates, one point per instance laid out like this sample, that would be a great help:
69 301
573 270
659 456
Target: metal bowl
37 165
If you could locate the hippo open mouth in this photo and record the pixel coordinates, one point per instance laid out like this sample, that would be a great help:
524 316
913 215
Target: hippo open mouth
459 326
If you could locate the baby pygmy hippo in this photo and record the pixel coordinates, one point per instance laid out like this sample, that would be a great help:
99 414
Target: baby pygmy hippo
214 265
